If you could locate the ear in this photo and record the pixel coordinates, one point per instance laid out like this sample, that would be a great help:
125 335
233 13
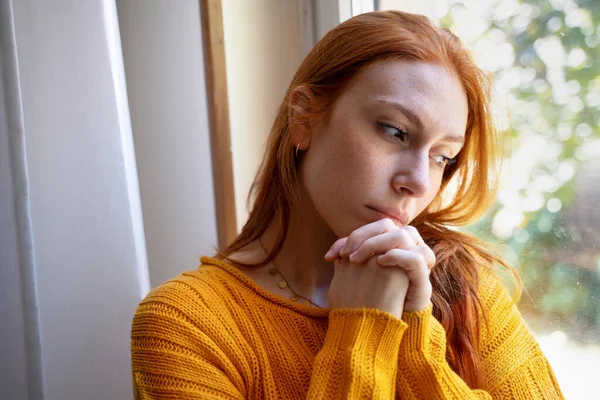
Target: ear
301 104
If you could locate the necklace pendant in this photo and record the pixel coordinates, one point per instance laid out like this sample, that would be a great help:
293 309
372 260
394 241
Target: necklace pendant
282 284
295 297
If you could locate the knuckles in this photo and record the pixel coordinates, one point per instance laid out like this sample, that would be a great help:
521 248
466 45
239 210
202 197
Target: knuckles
388 224
413 231
407 238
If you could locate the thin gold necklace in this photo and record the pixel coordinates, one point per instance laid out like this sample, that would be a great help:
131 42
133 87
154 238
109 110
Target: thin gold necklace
284 283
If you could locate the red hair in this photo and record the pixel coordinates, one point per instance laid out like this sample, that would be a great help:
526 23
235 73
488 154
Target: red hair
326 71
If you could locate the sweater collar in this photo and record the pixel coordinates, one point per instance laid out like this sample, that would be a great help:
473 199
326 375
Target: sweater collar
272 298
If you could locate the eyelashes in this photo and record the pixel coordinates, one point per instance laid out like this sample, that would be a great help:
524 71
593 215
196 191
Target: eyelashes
394 133
443 161
398 135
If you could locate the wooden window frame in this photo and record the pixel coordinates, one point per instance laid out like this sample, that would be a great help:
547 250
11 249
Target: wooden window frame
218 113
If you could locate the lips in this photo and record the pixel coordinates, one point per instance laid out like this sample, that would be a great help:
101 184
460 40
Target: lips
400 218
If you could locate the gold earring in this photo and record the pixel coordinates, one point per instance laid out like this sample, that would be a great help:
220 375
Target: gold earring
297 149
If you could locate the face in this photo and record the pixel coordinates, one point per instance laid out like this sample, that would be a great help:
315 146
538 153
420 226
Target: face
383 150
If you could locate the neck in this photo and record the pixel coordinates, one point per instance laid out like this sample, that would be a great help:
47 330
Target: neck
301 257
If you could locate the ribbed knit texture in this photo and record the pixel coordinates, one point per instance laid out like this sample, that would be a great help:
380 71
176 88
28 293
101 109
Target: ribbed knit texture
214 333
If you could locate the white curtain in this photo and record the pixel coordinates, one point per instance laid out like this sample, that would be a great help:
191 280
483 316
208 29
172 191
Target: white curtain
22 353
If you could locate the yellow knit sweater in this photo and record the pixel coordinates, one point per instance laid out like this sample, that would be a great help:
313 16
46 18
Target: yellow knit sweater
214 333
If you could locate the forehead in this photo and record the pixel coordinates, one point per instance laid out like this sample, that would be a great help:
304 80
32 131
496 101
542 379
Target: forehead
432 91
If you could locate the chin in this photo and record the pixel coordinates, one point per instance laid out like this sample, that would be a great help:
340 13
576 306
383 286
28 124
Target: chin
341 230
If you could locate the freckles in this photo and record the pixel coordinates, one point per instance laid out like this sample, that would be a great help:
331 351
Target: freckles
354 148
362 161
365 167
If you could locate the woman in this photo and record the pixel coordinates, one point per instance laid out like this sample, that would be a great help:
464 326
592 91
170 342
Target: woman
347 281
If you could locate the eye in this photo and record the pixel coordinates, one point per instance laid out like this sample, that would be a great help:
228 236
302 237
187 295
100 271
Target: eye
443 161
395 134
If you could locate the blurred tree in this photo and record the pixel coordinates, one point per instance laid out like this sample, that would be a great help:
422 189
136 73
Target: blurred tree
544 57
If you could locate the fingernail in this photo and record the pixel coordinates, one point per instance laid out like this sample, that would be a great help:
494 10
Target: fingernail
353 255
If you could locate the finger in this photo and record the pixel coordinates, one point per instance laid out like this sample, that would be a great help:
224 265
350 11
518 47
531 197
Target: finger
427 254
414 264
380 244
334 251
361 234
414 233
411 262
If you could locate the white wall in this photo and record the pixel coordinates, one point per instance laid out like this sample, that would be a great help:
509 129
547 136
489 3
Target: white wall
86 217
88 234
13 367
164 67
263 47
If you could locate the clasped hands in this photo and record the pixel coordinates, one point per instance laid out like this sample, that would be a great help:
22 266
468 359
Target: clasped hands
381 265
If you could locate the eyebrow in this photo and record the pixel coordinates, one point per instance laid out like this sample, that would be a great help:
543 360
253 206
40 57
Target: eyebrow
410 114
416 121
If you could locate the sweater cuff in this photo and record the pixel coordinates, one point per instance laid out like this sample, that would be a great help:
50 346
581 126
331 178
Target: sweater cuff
359 357
424 335
365 337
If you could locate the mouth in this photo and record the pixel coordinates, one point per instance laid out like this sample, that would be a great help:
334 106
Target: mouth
400 218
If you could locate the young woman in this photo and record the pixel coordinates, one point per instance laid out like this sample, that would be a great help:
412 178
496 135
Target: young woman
349 279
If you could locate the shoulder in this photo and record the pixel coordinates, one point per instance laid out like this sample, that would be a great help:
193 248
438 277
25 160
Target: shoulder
504 331
494 294
184 337
193 300
189 287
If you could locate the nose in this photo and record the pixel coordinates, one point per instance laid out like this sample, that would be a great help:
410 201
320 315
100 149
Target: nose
412 177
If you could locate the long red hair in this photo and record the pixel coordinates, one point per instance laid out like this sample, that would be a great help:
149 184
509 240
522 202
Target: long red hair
326 71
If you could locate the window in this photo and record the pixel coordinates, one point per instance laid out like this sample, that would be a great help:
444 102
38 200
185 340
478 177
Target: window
544 57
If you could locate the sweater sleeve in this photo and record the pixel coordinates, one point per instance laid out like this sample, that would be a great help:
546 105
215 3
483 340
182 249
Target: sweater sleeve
175 356
359 357
513 364
172 358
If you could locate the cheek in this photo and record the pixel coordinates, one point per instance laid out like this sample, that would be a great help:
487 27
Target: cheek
340 147
349 161
359 165
325 171
425 201
341 167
